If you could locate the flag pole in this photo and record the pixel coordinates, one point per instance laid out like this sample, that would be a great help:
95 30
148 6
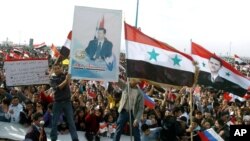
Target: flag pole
137 11
128 93
191 104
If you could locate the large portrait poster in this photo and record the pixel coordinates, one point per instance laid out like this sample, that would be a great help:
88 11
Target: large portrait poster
96 40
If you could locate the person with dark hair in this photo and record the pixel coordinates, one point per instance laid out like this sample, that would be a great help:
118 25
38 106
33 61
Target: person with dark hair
80 119
209 79
26 114
171 128
93 120
36 131
99 48
215 65
15 109
4 109
150 134
222 129
62 102
195 128
48 116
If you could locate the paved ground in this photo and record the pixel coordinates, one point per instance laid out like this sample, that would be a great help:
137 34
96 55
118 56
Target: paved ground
16 132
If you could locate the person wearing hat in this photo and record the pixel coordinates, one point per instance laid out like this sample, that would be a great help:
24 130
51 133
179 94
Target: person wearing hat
36 131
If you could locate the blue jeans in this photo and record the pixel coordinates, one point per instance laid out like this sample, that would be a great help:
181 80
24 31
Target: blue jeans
121 121
66 108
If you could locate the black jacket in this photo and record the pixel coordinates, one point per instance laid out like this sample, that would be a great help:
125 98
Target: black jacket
64 93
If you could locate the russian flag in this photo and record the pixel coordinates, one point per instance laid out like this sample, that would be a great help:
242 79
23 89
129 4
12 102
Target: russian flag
209 135
148 101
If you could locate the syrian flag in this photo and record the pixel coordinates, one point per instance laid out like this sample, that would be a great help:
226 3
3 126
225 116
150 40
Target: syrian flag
103 127
18 50
26 55
232 97
39 46
91 94
246 96
65 50
100 24
15 55
155 61
223 76
54 51
238 61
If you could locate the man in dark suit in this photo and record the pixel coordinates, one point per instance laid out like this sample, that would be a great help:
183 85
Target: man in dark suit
99 48
213 79
36 131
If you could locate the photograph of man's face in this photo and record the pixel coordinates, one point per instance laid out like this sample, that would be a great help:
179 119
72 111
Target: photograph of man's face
101 34
214 65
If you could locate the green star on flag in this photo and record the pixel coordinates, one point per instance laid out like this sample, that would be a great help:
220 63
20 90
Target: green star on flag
228 74
153 55
203 64
176 60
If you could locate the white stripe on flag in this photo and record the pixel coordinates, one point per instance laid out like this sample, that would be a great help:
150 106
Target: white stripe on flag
140 51
214 134
67 43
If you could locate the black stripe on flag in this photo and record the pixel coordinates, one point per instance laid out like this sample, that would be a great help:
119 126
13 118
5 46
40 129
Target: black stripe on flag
220 84
159 74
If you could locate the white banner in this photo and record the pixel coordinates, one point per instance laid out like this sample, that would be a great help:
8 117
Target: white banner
26 72
96 40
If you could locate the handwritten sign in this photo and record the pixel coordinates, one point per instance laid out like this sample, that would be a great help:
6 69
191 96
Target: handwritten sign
26 72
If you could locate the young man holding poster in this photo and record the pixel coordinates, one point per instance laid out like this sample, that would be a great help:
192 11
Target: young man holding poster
60 84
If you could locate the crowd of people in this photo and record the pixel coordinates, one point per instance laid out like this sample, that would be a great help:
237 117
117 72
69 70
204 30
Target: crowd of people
93 107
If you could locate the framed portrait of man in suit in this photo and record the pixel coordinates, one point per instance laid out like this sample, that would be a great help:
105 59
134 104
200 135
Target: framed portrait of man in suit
212 76
214 65
95 47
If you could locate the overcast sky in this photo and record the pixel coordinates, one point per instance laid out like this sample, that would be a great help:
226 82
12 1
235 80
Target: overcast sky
218 25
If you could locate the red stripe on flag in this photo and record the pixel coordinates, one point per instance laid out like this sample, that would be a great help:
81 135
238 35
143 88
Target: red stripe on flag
133 34
202 136
69 35
236 56
54 50
202 52
101 25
